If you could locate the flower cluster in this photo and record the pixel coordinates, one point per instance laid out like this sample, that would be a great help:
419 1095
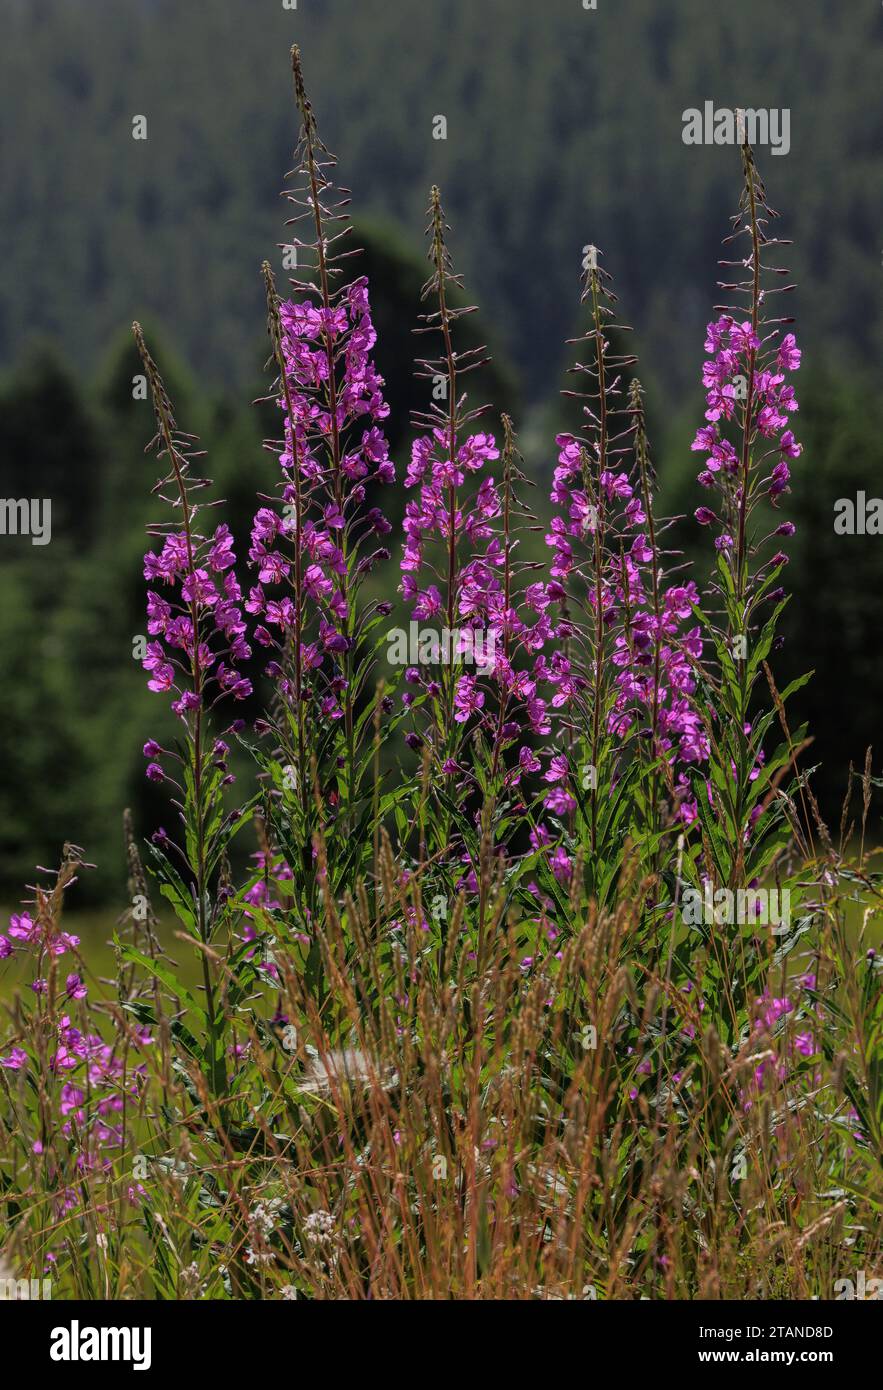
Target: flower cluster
744 380
641 620
771 1013
95 1086
38 935
198 629
266 895
193 613
329 395
489 626
570 491
93 1077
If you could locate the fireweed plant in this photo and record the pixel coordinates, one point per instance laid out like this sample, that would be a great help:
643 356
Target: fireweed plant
319 536
457 1034
624 674
475 701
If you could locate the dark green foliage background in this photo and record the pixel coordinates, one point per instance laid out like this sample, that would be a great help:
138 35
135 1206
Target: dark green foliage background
564 127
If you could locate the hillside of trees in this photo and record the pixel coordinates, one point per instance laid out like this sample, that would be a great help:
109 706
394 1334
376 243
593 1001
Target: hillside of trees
560 123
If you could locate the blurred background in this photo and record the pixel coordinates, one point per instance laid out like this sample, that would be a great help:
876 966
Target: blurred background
564 127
